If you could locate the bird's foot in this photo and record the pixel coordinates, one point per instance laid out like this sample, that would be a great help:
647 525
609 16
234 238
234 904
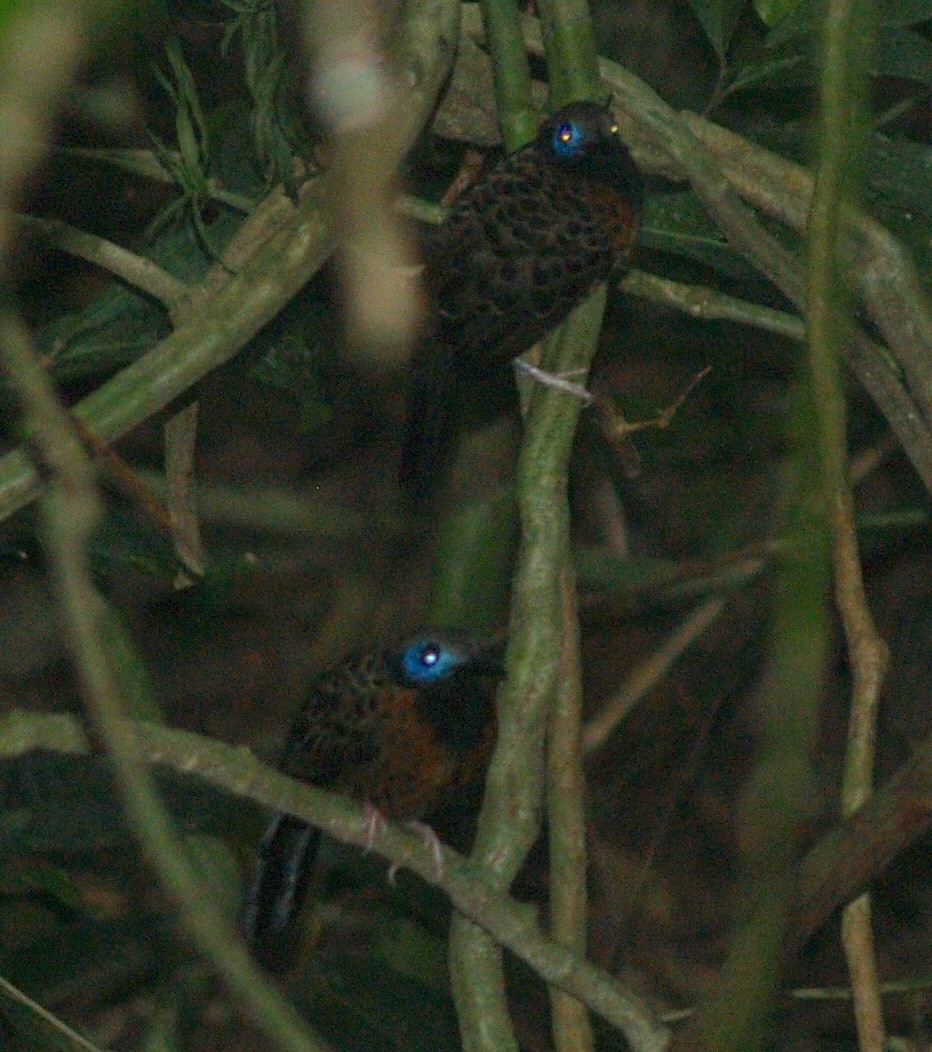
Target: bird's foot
374 825
431 841
559 383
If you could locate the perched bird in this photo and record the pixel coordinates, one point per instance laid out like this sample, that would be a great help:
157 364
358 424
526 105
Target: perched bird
396 729
520 248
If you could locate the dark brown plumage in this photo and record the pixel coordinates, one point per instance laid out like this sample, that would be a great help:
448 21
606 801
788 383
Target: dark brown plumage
398 729
521 247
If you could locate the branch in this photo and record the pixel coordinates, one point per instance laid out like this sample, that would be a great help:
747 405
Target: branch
829 320
856 851
137 271
236 771
71 511
723 168
707 304
509 820
832 872
274 254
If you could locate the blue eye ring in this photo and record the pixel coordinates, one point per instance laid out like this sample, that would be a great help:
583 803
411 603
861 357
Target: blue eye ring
427 660
567 138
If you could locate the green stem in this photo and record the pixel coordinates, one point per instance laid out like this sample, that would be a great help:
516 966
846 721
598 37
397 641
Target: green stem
843 128
71 510
510 73
572 60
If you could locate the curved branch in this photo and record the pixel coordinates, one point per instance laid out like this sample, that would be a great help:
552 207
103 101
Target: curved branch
275 253
235 770
846 858
725 170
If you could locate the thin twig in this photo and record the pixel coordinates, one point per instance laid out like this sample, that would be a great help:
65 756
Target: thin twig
180 447
137 271
829 317
72 508
707 304
509 818
235 770
64 1033
124 478
650 672
848 856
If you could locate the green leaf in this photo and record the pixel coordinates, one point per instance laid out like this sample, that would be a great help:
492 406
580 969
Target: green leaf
771 12
899 53
677 223
760 72
53 881
799 22
718 19
121 324
905 12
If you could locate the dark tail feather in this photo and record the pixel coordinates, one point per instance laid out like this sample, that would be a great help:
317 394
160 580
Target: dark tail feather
283 869
429 429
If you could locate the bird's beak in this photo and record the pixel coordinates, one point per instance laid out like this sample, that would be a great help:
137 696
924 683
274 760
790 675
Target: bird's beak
489 659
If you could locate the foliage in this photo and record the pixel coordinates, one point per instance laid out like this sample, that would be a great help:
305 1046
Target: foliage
307 554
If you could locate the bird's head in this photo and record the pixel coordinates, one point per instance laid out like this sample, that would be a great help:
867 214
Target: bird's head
584 138
433 657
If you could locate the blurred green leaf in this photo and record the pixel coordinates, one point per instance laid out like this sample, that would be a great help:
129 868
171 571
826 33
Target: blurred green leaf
771 12
45 878
900 53
136 685
678 223
602 571
411 950
786 60
804 17
57 804
904 12
219 869
799 22
755 74
291 355
899 191
126 539
361 1003
718 19
84 957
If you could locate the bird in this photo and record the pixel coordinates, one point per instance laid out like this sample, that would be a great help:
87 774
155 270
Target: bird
520 248
400 729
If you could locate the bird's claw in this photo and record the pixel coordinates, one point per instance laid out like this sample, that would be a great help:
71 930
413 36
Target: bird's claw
374 825
559 383
431 841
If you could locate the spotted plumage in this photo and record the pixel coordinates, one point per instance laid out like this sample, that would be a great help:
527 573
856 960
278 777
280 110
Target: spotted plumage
398 729
521 247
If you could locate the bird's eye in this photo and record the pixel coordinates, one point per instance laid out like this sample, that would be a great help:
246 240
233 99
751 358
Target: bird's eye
567 138
430 655
426 661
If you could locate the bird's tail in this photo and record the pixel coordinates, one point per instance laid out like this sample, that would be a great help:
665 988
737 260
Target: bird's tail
283 870
430 422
